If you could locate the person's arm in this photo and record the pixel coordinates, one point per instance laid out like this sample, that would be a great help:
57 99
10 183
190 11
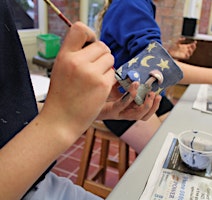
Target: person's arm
77 82
195 74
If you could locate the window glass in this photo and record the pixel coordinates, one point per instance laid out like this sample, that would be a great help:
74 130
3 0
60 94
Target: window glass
25 13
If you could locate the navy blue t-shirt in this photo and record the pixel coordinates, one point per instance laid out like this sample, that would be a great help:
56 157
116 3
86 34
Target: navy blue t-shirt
17 102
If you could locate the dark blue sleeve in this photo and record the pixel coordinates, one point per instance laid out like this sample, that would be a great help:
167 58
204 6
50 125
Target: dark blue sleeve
17 103
128 27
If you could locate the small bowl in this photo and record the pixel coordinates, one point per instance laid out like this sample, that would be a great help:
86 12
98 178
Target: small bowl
196 149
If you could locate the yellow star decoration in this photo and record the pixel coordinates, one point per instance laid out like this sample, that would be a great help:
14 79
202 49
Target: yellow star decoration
163 64
150 47
132 61
159 90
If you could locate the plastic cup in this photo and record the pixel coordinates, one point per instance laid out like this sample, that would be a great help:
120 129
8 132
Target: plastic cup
196 150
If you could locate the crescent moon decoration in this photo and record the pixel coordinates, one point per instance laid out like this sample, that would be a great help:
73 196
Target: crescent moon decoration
150 47
132 61
145 59
163 64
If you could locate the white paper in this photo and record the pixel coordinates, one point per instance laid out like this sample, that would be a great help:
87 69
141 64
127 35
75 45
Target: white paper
40 86
203 101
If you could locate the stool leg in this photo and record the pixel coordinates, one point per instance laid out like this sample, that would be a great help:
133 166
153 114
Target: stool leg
123 158
103 162
103 159
86 156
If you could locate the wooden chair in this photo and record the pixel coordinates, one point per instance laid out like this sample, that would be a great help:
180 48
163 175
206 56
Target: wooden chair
95 183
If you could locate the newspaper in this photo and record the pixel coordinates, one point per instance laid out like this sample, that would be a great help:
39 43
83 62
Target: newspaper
203 100
172 179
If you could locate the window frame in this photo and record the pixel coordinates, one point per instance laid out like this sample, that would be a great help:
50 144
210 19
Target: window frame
84 5
29 35
210 23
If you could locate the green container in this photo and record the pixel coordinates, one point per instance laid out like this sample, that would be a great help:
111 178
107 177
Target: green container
48 45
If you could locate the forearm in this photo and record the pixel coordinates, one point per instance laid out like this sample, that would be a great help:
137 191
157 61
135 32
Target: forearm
29 154
195 74
62 120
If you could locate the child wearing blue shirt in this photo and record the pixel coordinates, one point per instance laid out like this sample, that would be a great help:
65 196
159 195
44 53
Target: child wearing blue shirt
127 27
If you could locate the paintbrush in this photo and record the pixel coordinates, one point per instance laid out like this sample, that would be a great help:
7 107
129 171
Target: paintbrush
59 13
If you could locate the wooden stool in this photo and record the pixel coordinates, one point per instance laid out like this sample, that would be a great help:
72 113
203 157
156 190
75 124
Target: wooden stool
95 183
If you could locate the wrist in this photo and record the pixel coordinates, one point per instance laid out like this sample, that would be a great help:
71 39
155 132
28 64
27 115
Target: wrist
55 132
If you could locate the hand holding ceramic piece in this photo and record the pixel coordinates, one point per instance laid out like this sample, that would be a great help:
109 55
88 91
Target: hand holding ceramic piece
153 68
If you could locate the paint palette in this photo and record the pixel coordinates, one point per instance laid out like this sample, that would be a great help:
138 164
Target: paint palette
196 150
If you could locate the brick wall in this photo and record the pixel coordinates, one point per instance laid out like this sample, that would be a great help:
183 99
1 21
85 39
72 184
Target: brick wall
169 17
70 8
205 15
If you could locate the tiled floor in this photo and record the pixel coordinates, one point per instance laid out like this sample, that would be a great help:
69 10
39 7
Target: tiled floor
68 163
